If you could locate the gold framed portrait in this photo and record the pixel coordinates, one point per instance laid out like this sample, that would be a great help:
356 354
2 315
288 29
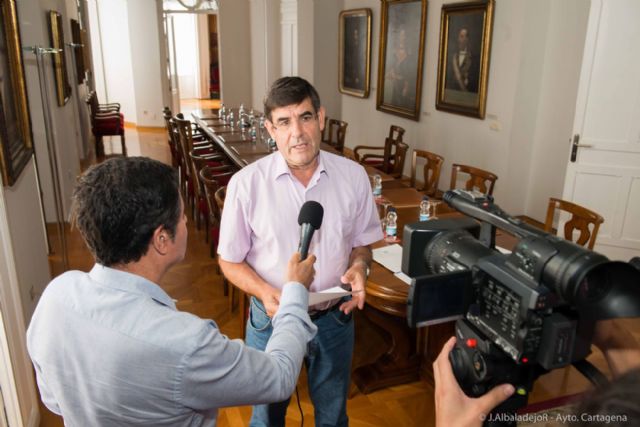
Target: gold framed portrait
463 63
355 52
63 88
402 31
16 143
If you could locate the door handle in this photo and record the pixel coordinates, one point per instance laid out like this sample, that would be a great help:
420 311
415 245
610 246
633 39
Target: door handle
575 145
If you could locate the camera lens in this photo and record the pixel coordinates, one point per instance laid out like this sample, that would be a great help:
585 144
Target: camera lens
454 250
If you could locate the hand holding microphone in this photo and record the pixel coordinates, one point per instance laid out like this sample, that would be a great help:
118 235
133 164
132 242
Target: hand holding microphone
309 219
300 268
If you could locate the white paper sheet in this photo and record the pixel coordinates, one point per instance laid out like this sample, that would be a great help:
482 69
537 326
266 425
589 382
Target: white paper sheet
503 250
390 257
327 295
406 279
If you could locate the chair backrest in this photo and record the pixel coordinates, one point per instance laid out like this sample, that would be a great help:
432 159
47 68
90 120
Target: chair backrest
431 171
325 129
396 132
220 195
171 137
479 179
214 178
336 134
185 134
582 219
92 102
395 153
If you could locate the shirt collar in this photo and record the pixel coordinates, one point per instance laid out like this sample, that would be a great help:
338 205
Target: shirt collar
281 167
128 282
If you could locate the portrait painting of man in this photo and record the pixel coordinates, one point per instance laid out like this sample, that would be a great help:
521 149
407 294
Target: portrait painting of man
355 48
465 36
400 69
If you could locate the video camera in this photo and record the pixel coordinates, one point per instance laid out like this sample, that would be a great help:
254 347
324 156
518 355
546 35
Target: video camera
520 314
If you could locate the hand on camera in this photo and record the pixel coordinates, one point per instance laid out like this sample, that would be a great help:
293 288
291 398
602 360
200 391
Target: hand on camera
453 407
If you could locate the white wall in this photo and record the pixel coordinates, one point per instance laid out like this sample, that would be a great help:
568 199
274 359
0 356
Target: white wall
65 127
115 56
535 58
325 49
235 52
562 61
265 47
186 37
23 263
145 62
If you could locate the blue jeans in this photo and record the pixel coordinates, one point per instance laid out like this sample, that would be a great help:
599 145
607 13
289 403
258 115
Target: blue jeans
328 363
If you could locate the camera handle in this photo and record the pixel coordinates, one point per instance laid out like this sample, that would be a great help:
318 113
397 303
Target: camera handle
488 235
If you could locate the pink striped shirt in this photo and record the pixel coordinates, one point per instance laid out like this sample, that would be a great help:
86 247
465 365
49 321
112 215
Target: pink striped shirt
260 217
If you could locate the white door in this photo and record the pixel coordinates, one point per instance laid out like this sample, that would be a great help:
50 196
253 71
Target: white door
603 172
172 68
3 413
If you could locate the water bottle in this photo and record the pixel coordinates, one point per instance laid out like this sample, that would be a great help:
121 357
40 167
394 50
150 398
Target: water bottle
231 118
392 224
241 111
253 133
377 185
221 112
425 208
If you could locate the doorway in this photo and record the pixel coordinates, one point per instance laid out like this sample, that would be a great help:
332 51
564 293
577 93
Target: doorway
193 61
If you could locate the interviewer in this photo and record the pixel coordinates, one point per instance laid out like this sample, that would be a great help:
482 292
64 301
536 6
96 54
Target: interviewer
110 348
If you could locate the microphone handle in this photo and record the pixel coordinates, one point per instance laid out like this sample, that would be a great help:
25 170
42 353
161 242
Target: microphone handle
306 233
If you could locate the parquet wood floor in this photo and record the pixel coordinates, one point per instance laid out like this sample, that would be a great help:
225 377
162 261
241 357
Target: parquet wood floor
198 289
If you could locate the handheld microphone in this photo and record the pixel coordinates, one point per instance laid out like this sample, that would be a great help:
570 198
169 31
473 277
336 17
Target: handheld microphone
309 219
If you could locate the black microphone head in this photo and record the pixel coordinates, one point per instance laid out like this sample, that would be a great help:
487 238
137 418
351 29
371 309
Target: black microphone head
311 213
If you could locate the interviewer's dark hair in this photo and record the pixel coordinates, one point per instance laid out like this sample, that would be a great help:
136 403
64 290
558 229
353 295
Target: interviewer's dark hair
616 404
119 203
290 91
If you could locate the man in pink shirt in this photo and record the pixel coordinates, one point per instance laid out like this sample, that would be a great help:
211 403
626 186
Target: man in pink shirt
259 230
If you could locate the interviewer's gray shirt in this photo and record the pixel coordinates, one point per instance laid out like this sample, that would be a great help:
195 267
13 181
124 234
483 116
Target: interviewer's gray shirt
110 348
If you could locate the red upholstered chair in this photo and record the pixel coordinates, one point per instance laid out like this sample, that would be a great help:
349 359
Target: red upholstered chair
106 120
214 178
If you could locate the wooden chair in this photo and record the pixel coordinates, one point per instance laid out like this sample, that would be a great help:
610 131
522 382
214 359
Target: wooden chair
396 132
172 137
186 145
325 129
336 134
219 169
479 179
582 219
106 120
390 162
213 178
232 291
431 171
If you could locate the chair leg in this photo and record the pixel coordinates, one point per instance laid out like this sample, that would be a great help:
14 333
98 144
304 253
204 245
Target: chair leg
99 147
231 292
124 146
